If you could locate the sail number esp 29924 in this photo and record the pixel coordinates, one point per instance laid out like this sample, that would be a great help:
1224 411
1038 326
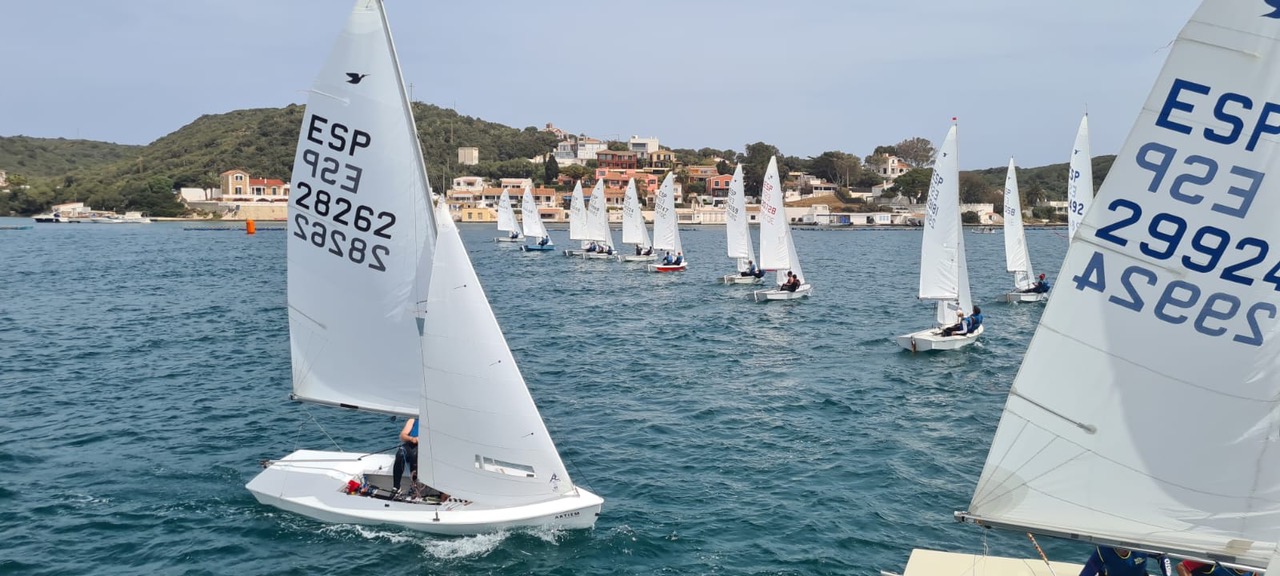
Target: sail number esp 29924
1168 221
326 213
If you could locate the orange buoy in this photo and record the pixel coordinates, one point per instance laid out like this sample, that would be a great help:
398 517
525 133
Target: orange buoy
249 227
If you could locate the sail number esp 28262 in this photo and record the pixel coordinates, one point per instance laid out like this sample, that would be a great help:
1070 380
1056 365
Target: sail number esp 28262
327 214
1212 297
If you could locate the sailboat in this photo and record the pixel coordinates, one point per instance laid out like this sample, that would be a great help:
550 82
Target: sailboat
738 232
1017 258
666 229
633 228
507 220
399 324
777 249
531 221
598 232
578 218
1079 180
944 277
1150 328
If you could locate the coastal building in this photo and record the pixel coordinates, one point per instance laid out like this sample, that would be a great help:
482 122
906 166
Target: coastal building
889 167
578 149
188 195
643 147
617 159
468 155
718 187
560 134
700 173
470 183
664 159
239 186
4 179
517 183
646 182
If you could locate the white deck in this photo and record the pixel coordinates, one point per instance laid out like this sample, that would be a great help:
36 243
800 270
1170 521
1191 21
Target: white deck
779 294
934 563
740 279
1024 297
932 339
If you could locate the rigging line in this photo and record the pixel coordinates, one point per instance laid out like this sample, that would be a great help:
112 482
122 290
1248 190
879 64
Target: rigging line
577 473
1089 428
1042 556
321 427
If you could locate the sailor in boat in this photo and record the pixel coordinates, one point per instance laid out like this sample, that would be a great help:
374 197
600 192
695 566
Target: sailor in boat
592 246
966 325
639 252
648 251
1107 561
1041 286
544 240
1193 568
792 283
752 270
512 235
408 454
679 259
666 259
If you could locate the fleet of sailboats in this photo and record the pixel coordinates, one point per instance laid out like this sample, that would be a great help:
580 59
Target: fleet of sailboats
400 325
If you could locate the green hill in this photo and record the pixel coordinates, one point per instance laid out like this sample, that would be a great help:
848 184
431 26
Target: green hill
261 141
55 157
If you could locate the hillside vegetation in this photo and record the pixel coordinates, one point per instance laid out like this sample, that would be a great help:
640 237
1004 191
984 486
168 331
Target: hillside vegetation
261 141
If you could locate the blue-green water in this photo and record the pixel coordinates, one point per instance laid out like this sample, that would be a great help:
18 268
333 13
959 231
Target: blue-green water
144 372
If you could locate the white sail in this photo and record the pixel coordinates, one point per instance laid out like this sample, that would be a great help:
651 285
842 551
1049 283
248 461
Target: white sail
1017 259
943 276
577 214
737 225
485 439
776 251
530 219
666 228
361 238
1147 409
507 214
633 228
1080 180
598 216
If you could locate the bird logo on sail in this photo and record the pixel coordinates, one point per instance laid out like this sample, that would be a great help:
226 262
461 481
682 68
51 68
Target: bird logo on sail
354 78
1275 9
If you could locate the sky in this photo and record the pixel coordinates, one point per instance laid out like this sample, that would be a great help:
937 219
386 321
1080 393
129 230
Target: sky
806 76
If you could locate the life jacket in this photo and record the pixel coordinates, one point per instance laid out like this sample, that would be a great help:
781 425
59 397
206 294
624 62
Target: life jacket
975 321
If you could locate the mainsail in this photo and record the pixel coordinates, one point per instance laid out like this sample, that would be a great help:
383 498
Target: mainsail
1080 180
1146 413
737 227
777 252
944 276
530 219
598 216
507 214
577 214
361 232
666 230
633 229
1017 260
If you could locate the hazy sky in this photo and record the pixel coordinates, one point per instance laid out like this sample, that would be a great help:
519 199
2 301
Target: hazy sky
806 76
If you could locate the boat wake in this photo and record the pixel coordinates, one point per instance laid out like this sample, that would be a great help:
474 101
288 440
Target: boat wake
445 547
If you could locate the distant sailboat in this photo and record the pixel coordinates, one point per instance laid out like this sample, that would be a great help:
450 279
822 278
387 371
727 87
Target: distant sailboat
399 324
1016 256
666 229
1145 413
633 228
531 221
738 234
777 248
578 219
598 232
944 277
1079 180
507 220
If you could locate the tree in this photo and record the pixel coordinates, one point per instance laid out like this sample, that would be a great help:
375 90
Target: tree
723 167
754 163
867 178
550 170
618 146
835 166
970 217
576 171
973 188
913 184
916 152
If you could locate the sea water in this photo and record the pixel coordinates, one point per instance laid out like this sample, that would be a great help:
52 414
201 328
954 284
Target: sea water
144 373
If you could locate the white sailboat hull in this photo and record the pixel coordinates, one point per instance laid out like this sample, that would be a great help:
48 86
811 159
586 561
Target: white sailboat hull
1024 297
572 253
508 239
599 256
311 483
932 563
932 339
641 258
740 279
779 294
